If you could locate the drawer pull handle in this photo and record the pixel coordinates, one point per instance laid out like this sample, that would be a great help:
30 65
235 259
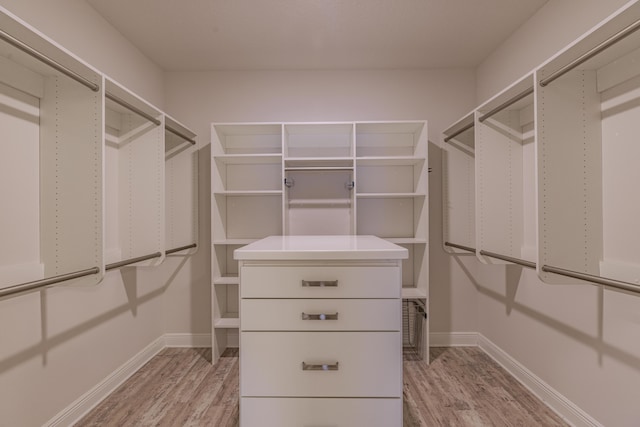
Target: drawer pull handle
320 316
319 367
319 283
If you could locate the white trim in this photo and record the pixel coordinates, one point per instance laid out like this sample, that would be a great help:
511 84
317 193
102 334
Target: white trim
187 340
551 397
72 413
453 339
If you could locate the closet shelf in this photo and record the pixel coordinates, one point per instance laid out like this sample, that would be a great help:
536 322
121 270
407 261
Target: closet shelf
390 195
407 240
413 293
231 242
248 193
249 159
389 161
318 162
226 280
227 322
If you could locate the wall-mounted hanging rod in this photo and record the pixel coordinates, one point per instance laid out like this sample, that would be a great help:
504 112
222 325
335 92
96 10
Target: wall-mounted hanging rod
181 248
50 62
591 53
30 286
132 261
180 134
459 131
509 259
464 248
617 284
130 107
506 104
318 168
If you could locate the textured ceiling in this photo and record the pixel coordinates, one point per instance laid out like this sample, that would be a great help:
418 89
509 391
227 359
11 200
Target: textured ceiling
315 34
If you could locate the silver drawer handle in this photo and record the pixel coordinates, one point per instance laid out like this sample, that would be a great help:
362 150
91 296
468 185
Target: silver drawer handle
320 316
320 283
321 367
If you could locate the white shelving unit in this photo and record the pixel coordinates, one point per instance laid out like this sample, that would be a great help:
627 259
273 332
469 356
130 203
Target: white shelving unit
554 157
51 166
588 149
316 179
505 175
246 205
459 185
134 179
181 187
90 159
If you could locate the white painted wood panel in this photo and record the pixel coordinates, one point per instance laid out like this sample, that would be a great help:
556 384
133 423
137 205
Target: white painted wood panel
364 281
298 412
351 314
271 364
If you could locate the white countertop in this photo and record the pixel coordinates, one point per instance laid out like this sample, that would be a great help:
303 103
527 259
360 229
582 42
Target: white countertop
345 247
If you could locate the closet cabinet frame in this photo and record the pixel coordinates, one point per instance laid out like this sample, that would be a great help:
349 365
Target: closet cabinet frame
319 175
459 183
506 176
586 204
246 205
56 110
181 167
265 180
587 150
134 180
51 168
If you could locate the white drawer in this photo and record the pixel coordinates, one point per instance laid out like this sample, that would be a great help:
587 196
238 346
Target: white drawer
333 282
321 315
302 412
369 364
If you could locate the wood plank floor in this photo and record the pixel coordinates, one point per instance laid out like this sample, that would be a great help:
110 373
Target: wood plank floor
462 387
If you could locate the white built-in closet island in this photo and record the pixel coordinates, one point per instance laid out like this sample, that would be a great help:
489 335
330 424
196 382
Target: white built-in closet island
320 331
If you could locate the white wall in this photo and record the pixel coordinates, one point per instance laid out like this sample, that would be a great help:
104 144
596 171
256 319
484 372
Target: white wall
57 344
262 96
80 29
555 25
581 340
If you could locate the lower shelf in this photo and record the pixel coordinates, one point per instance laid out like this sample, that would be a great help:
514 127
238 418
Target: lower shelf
227 323
413 293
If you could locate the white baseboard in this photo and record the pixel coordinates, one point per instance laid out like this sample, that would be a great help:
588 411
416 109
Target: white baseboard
553 399
72 413
453 339
187 340
557 402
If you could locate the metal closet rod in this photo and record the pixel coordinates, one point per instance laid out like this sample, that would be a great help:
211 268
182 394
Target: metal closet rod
617 284
30 286
181 248
493 255
133 108
180 134
506 104
149 117
459 131
50 62
318 168
592 52
519 261
132 261
464 248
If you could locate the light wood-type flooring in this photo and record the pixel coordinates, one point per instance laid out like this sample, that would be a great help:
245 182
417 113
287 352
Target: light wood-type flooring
461 387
